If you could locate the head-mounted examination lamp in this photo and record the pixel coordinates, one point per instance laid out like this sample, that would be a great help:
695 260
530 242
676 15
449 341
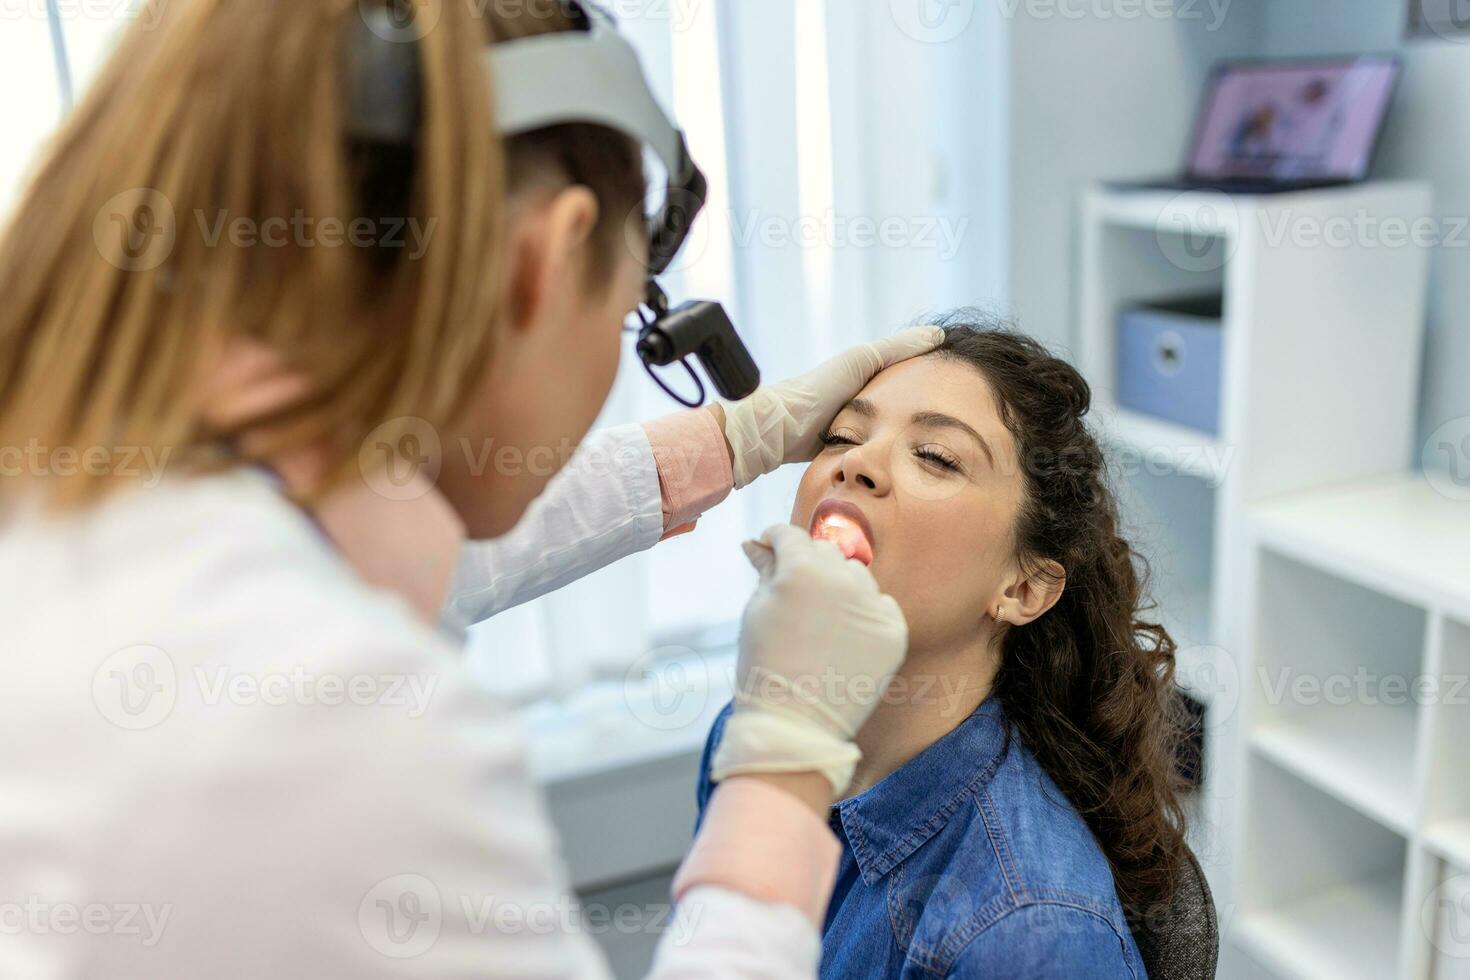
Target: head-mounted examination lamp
589 75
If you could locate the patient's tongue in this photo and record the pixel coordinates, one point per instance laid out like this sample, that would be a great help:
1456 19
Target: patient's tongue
847 536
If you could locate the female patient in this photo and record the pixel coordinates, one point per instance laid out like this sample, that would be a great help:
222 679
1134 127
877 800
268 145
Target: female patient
1016 790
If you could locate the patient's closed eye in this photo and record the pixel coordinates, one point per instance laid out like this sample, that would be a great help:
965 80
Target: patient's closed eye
931 454
938 457
833 438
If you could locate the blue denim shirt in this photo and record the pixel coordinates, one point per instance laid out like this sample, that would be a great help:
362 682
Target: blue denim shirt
968 862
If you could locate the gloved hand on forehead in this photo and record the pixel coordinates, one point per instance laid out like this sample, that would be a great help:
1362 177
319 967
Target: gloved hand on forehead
782 423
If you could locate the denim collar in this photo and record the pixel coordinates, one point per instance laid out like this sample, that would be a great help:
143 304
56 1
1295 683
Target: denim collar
886 823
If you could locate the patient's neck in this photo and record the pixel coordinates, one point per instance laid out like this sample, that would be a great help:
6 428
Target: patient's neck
931 694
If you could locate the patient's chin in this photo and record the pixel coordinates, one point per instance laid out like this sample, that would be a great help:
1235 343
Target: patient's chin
890 581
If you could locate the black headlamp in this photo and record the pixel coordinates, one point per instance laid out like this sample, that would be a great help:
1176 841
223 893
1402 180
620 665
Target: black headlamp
591 75
700 328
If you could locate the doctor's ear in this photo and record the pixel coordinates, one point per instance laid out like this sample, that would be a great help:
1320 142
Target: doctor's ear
1034 592
549 234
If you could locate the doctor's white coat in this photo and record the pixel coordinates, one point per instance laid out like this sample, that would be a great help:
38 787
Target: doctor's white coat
227 757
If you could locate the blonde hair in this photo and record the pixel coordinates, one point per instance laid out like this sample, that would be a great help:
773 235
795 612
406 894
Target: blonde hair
123 279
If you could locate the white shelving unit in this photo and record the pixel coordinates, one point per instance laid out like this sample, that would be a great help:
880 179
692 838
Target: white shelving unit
1355 810
1321 342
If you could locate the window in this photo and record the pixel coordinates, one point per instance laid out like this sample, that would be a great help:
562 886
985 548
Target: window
594 629
50 50
27 65
780 103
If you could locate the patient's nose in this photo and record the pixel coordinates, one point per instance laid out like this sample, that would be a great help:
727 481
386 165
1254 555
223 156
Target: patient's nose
861 468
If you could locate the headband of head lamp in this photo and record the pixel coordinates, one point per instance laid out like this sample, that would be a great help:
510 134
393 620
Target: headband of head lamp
588 75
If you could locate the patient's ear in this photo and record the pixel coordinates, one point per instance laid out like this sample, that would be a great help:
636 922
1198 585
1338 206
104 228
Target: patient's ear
1032 593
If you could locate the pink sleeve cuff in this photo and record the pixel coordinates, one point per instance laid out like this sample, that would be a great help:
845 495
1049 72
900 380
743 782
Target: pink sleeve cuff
694 472
762 842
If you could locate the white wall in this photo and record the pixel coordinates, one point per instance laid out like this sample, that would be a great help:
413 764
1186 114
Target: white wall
1097 96
1428 137
972 82
27 65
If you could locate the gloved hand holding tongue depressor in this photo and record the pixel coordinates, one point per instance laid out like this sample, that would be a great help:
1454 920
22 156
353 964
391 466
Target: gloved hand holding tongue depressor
818 644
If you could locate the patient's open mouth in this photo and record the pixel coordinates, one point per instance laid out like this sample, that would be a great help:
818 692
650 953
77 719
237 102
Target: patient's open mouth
844 525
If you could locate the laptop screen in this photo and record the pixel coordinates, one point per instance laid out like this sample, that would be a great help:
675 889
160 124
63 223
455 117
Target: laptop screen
1293 120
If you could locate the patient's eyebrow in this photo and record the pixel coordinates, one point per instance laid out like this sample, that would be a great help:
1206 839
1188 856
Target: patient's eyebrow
868 410
942 421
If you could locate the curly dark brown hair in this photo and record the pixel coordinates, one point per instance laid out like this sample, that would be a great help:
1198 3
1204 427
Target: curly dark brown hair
1089 685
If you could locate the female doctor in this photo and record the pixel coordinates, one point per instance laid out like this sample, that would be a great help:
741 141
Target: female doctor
240 746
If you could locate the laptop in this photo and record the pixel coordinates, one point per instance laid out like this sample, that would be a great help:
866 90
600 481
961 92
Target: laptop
1267 127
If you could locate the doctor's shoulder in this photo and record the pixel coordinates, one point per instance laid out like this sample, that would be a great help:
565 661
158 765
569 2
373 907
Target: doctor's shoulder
206 620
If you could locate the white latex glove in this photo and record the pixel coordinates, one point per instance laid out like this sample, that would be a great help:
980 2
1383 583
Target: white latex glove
781 423
818 645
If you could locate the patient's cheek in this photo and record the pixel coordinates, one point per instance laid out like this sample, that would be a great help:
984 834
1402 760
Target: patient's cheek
807 496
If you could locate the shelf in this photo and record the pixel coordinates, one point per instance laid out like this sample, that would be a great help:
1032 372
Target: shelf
1214 212
1394 535
1448 768
1318 799
1163 446
1152 210
1450 839
1360 757
1314 798
1348 931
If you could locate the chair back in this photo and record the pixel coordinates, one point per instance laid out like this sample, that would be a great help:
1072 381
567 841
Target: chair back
1183 943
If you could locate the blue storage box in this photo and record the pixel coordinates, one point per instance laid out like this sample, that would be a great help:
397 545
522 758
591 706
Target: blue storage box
1168 364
